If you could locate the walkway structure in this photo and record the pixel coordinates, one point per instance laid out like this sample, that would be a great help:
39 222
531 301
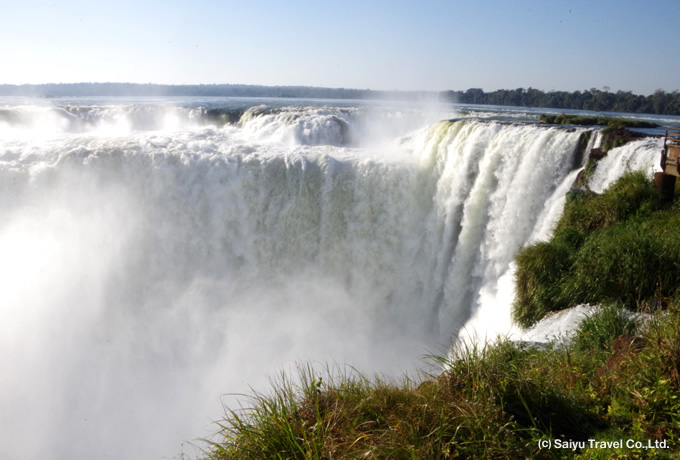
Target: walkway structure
670 162
670 157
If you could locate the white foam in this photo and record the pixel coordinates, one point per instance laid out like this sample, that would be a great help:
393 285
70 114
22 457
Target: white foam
638 155
147 273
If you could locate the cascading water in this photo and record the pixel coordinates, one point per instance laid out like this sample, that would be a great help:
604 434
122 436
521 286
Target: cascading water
638 155
150 268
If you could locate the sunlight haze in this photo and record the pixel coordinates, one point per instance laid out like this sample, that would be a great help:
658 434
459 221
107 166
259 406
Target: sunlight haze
395 45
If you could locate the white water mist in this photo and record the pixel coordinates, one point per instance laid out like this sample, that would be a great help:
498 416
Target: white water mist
149 271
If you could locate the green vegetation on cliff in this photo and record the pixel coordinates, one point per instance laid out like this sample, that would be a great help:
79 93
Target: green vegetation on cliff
618 247
613 391
610 122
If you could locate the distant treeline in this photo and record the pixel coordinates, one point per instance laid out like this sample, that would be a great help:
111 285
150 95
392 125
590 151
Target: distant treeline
136 89
660 102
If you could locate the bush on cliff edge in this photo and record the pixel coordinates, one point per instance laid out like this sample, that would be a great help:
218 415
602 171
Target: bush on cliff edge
620 246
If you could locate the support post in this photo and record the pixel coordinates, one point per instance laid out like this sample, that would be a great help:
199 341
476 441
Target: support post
665 184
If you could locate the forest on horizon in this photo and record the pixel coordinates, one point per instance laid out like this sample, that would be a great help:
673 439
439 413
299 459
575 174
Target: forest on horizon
660 102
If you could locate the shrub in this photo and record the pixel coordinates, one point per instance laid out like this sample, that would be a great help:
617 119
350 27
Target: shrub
620 246
598 330
540 269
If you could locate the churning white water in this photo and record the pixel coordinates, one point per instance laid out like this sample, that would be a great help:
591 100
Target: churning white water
155 257
638 155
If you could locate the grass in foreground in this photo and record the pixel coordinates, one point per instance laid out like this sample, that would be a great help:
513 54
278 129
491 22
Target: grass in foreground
354 417
617 380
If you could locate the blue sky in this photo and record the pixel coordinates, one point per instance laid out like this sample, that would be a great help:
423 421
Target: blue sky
388 45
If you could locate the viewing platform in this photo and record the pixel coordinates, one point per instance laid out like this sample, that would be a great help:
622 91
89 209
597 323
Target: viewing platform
670 157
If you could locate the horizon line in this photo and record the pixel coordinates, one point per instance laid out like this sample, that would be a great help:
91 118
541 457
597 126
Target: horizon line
421 91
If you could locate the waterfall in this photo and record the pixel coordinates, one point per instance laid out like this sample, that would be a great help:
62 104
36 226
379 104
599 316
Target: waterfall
638 155
149 270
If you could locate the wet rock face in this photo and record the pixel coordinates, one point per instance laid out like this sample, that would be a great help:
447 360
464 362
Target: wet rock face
612 138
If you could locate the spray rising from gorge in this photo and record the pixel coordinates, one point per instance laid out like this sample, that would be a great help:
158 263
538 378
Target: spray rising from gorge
157 256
